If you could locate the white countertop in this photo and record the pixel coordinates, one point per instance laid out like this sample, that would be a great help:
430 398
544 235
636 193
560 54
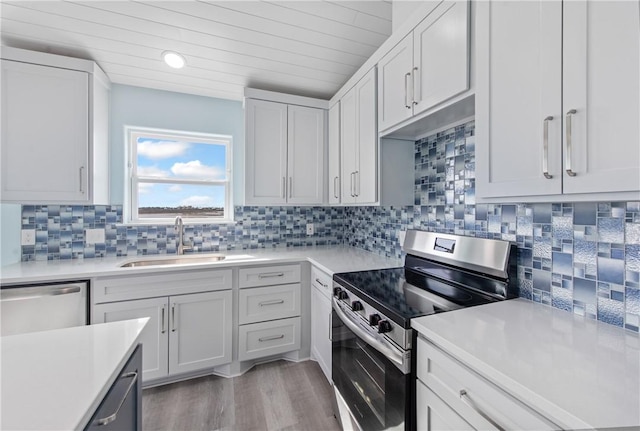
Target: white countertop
330 259
581 372
55 380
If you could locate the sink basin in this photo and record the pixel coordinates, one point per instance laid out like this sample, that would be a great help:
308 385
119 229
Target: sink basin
178 260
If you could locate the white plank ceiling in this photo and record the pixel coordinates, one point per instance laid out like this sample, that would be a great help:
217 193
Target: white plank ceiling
305 47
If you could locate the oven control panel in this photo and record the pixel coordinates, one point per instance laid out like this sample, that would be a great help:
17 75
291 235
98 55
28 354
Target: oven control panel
373 318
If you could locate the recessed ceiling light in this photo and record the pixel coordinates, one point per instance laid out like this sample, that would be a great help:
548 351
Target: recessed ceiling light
173 59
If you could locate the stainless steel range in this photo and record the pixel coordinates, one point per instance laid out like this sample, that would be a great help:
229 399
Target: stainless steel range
372 337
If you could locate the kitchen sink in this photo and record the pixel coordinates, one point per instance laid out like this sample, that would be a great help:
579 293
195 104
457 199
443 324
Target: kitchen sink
178 260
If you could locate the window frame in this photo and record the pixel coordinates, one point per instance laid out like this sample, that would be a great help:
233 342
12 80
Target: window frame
132 180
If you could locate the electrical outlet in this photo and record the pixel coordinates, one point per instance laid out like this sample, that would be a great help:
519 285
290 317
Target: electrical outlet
310 229
94 236
28 237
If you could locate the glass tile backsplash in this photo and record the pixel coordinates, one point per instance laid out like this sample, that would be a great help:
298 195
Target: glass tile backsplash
579 257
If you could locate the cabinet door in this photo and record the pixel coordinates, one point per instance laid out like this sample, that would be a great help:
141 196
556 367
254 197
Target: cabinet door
321 330
394 84
601 82
366 175
434 414
518 98
266 152
154 336
441 55
334 154
200 331
348 144
306 136
45 136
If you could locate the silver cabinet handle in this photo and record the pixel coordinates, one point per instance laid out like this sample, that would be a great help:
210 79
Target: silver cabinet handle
290 187
335 188
545 148
568 155
273 337
273 302
406 91
271 274
330 327
353 194
415 97
321 283
356 187
173 317
112 417
284 187
81 179
464 396
162 322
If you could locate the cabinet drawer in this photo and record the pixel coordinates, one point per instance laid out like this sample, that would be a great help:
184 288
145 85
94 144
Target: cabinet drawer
322 281
268 338
112 289
447 377
269 303
269 275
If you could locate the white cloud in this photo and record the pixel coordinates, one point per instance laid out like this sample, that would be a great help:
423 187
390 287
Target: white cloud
175 188
196 170
152 171
144 188
198 201
162 149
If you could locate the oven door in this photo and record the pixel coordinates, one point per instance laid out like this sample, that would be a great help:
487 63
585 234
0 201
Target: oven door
372 387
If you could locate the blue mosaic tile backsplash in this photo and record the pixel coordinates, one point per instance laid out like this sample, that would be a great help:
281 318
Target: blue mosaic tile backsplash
579 257
60 231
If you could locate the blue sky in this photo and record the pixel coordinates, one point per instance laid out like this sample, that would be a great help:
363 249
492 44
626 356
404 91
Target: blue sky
183 160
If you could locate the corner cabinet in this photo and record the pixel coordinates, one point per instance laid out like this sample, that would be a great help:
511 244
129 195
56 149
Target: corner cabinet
55 129
285 153
558 100
359 142
321 320
430 65
190 318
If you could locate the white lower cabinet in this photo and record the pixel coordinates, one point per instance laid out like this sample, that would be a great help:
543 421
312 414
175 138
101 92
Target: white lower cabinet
452 396
189 329
269 304
321 320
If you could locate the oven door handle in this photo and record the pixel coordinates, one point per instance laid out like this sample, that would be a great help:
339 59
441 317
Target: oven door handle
381 345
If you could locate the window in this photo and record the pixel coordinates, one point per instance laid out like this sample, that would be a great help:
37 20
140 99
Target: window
172 173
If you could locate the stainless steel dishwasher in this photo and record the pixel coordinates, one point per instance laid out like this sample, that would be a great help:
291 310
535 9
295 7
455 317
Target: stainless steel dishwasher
31 308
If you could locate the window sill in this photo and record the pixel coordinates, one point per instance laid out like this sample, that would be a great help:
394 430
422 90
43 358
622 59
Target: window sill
164 222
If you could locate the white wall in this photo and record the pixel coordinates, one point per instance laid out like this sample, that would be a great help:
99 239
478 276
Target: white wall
144 107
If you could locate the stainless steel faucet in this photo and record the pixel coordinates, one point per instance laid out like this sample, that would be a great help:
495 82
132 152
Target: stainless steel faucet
180 226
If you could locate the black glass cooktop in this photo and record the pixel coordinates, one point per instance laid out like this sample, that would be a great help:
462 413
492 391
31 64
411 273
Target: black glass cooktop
402 294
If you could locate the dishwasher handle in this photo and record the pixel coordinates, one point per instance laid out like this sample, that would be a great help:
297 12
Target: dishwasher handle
25 293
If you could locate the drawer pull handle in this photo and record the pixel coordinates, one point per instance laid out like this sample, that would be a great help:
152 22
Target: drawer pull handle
271 275
273 337
107 420
274 302
321 283
464 396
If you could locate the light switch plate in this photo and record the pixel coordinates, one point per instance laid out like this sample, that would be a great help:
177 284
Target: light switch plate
310 229
28 237
94 236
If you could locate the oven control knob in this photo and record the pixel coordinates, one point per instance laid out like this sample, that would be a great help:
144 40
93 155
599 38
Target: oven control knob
374 319
384 326
343 295
357 306
336 291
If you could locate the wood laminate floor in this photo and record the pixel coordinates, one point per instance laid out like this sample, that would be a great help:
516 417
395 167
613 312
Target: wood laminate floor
279 395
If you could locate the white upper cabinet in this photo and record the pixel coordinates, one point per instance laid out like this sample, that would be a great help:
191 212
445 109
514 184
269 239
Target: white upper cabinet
359 142
285 153
335 176
54 129
429 66
557 102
